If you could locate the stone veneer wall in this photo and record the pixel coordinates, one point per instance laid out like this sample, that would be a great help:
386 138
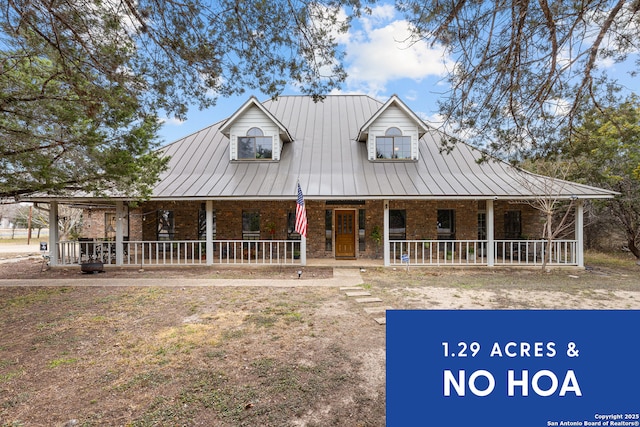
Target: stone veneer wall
93 223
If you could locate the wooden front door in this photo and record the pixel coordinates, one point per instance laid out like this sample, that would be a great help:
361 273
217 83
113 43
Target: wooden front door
345 228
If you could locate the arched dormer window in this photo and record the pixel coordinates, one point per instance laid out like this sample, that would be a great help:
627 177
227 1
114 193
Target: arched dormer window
255 145
393 145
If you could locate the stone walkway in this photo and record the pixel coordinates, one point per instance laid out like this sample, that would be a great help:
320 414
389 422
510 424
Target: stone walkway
371 304
341 277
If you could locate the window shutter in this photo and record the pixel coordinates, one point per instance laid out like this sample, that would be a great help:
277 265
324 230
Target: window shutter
233 149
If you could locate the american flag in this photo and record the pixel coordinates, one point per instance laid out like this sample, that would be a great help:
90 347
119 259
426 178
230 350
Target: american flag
301 215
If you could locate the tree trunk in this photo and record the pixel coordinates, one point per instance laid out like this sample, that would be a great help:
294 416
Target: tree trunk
631 241
549 235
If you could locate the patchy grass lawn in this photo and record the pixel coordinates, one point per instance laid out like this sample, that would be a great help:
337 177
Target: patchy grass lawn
608 282
242 356
193 356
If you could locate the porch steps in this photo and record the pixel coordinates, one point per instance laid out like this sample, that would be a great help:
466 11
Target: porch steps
363 296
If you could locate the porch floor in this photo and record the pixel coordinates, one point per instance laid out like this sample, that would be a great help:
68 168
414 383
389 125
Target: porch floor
342 263
352 263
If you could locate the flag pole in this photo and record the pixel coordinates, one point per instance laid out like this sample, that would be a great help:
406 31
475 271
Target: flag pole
301 211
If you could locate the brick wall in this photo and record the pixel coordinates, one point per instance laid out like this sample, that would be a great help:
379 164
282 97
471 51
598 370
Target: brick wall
422 217
228 218
531 219
135 224
185 216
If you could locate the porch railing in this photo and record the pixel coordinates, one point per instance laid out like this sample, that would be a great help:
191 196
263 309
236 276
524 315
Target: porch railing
474 252
438 252
181 252
402 252
534 252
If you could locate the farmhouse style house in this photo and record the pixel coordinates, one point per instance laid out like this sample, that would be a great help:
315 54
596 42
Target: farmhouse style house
375 183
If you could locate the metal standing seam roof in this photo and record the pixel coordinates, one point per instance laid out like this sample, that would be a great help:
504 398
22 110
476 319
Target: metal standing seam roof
329 162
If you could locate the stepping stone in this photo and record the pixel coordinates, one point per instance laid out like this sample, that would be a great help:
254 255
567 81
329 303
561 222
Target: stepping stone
351 288
367 300
381 320
358 294
376 310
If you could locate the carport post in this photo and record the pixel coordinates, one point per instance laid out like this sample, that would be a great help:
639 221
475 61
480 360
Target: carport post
119 233
53 233
209 232
490 231
385 234
580 233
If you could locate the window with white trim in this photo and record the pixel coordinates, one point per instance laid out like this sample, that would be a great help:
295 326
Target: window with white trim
393 145
255 145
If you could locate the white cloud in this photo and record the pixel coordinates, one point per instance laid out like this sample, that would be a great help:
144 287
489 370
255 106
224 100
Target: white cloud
379 15
383 50
411 95
171 121
436 120
557 107
606 63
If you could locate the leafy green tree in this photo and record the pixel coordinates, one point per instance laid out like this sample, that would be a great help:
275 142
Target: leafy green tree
82 82
606 149
524 69
61 132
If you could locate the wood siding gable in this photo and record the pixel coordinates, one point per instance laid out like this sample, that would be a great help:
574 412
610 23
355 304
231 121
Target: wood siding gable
253 114
254 117
392 117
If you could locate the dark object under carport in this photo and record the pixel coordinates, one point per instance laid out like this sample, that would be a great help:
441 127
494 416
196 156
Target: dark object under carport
92 267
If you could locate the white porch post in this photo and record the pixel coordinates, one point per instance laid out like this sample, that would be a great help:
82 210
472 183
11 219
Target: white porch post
53 233
119 232
490 235
580 233
385 234
209 232
303 250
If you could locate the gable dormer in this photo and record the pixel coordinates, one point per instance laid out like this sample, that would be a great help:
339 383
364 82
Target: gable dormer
254 133
392 133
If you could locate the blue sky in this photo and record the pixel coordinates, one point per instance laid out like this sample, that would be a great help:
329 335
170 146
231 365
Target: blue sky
378 63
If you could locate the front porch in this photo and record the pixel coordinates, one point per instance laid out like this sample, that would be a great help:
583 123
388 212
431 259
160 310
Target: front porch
447 230
527 253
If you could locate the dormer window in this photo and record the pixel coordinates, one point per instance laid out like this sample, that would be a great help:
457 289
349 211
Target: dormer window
393 145
255 145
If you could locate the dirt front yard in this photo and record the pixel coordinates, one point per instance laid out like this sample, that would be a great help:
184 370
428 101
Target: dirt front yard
172 355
